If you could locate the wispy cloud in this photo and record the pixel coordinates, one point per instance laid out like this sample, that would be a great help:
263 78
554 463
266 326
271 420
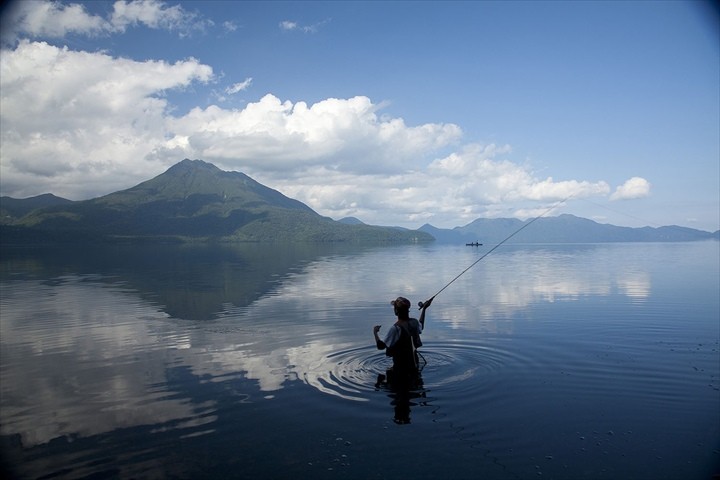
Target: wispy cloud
55 20
239 87
155 14
289 25
229 26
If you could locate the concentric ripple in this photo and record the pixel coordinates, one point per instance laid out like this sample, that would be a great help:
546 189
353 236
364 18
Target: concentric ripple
457 367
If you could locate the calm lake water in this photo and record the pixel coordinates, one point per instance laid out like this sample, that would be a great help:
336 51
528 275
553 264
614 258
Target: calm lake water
542 361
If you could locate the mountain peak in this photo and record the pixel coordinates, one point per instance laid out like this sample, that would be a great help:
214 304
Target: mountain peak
209 186
188 164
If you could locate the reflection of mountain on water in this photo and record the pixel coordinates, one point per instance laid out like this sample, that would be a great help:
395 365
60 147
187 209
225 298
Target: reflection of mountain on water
194 282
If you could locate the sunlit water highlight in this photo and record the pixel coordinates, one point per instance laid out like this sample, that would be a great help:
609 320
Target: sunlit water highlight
566 361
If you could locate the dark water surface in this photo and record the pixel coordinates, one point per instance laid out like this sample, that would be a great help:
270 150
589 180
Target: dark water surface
542 361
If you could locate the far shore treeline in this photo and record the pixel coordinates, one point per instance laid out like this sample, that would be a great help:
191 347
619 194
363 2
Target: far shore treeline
194 201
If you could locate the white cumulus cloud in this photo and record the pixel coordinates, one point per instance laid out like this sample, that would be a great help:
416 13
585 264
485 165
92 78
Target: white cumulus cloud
636 187
83 124
80 123
272 135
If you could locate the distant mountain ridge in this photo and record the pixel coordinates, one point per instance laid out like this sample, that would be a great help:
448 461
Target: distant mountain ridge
192 201
196 201
16 208
564 228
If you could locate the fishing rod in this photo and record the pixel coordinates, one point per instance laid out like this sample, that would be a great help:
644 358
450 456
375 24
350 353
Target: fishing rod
421 304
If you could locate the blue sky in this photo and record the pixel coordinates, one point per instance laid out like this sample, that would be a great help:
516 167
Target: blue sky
398 113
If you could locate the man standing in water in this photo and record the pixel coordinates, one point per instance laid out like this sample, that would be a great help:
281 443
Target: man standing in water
403 338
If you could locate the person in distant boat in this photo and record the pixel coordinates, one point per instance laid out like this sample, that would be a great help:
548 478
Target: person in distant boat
403 338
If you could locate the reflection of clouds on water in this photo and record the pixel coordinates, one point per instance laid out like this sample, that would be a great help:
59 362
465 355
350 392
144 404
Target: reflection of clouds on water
84 364
288 349
81 357
327 291
518 279
377 276
269 369
635 285
94 359
497 288
567 289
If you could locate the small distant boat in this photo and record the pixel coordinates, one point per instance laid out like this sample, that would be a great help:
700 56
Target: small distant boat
474 244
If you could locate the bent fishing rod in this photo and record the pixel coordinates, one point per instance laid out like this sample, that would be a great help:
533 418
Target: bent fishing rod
525 225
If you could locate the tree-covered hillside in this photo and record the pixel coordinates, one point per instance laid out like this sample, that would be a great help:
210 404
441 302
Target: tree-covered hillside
191 201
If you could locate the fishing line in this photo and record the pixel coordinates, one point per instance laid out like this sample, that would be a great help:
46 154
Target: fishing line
645 220
525 225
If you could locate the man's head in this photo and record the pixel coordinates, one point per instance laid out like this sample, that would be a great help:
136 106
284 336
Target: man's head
402 306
